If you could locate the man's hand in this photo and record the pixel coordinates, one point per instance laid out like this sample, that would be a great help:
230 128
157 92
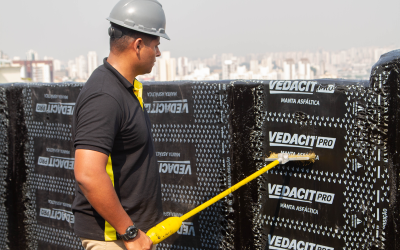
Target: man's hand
140 242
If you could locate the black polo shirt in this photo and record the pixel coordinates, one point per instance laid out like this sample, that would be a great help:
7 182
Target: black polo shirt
108 118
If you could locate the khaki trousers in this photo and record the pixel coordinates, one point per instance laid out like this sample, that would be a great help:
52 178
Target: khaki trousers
89 244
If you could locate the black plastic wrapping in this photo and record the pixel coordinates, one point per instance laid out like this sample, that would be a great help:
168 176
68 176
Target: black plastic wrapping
6 173
209 136
384 130
191 135
40 149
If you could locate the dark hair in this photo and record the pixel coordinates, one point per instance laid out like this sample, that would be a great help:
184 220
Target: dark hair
121 43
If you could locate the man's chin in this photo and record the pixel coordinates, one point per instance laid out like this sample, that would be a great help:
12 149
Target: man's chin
144 73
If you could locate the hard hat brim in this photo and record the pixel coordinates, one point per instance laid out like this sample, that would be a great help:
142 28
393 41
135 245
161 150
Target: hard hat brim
139 29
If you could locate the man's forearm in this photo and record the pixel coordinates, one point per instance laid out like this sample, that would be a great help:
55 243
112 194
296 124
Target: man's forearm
102 196
93 180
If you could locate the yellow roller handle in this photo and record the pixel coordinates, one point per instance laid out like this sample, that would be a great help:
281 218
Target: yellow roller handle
229 191
172 224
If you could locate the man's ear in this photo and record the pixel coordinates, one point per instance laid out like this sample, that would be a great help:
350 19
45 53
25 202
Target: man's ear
137 45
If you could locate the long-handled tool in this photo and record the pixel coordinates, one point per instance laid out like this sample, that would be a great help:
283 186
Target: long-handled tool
172 224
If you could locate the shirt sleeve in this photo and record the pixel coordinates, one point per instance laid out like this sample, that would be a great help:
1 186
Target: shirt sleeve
98 120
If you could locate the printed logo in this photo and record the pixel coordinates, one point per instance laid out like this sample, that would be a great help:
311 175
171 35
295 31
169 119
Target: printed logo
325 142
57 214
175 107
57 162
187 228
281 139
281 243
328 89
299 194
56 108
292 87
175 167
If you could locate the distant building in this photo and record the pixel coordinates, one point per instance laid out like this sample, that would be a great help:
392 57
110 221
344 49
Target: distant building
81 68
166 67
183 66
36 71
254 66
32 55
92 62
267 62
71 68
57 65
289 69
304 69
161 70
229 67
202 72
60 72
321 66
9 72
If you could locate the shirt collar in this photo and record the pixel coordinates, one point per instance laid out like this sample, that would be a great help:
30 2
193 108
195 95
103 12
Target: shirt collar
120 77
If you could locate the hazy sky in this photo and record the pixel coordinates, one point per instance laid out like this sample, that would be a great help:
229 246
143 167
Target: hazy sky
201 28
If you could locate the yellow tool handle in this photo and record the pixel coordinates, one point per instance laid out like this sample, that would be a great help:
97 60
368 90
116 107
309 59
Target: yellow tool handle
172 224
229 191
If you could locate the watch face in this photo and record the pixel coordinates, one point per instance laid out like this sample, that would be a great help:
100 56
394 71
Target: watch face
132 231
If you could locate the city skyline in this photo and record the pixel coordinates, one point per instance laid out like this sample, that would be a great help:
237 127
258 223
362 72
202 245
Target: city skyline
353 63
201 28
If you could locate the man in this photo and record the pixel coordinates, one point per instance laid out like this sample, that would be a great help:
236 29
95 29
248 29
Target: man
118 193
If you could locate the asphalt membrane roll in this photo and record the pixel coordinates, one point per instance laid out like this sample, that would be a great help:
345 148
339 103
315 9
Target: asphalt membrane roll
210 135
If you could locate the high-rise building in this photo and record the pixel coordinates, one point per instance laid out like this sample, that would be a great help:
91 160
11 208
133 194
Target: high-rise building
161 66
72 72
92 62
166 67
60 71
304 69
32 55
36 71
229 67
41 73
81 68
57 65
289 69
322 68
183 66
171 69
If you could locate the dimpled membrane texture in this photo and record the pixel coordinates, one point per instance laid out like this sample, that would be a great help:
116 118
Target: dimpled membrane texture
192 140
4 169
384 131
210 135
348 198
50 186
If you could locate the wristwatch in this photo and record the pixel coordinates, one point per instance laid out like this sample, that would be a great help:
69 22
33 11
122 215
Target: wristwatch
131 233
